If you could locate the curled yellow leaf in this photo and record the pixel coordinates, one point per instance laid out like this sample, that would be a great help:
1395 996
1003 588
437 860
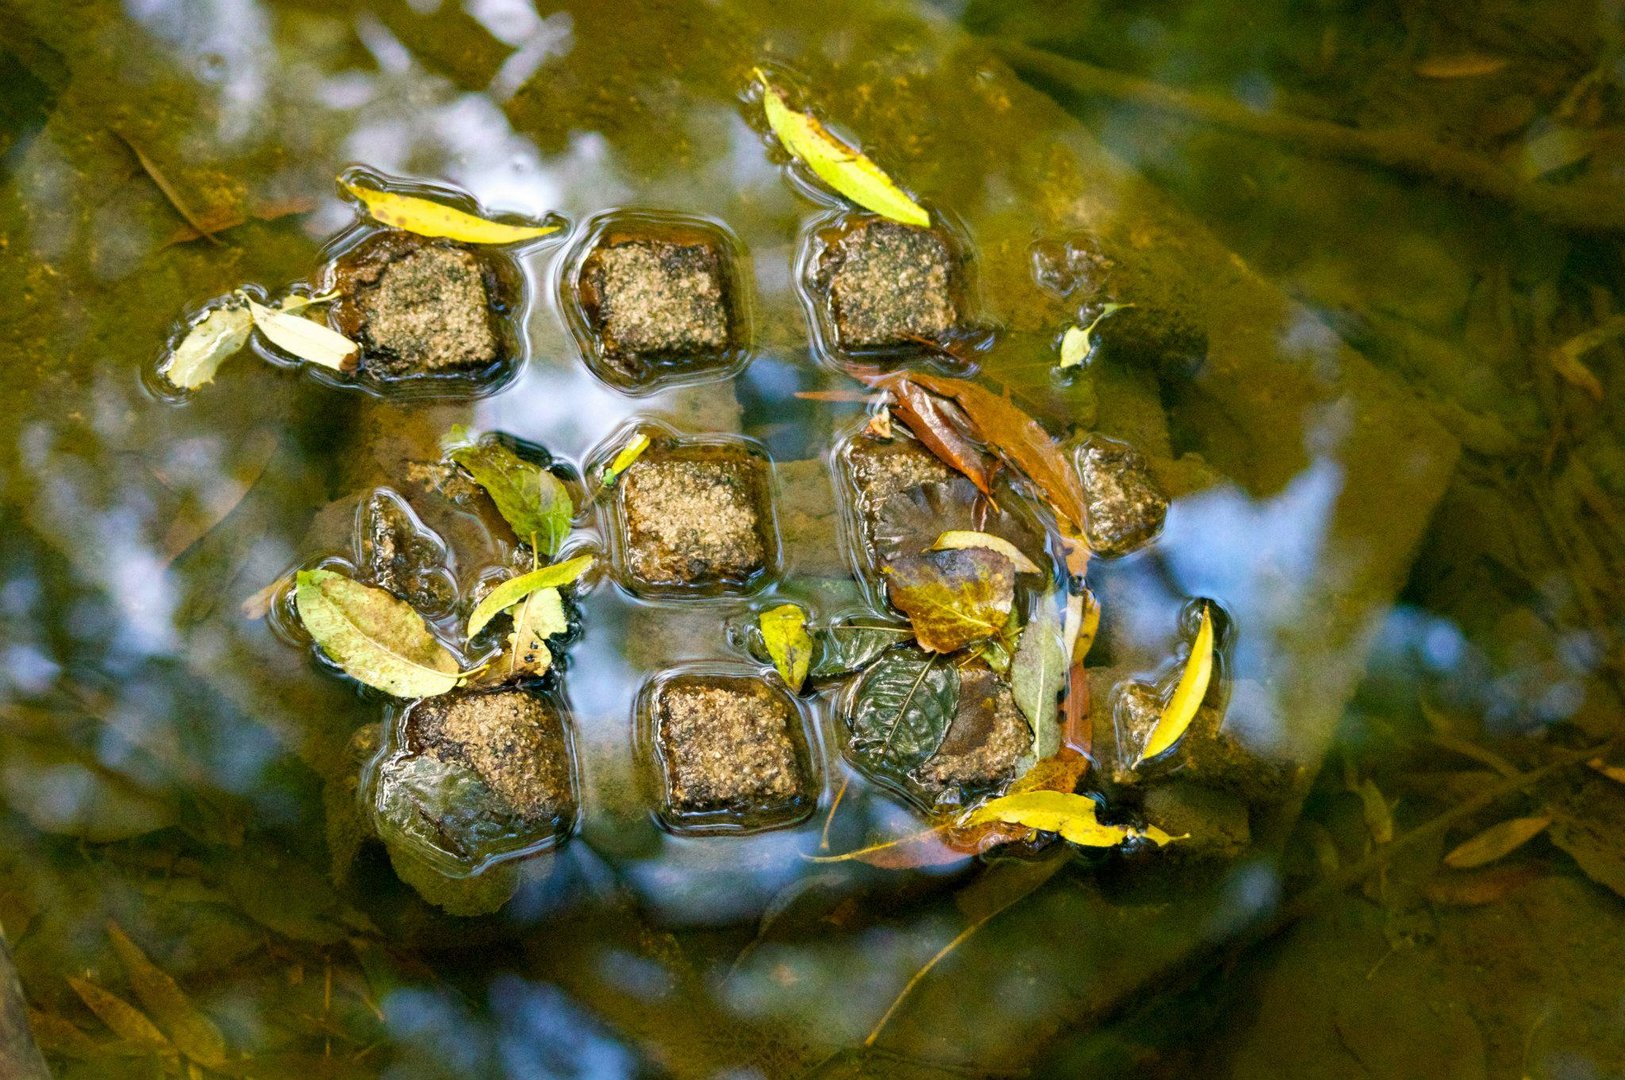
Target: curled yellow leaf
1073 817
840 166
964 538
426 217
305 338
1188 695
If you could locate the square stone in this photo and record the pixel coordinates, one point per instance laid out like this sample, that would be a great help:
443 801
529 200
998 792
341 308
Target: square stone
886 286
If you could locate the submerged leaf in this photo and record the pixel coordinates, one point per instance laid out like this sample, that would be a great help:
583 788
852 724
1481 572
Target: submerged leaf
192 1032
624 460
1073 817
1460 65
837 164
953 598
842 648
305 338
125 1020
956 539
784 632
1378 814
377 639
208 343
533 501
1078 343
426 217
1037 674
513 590
1188 695
535 619
1496 841
901 709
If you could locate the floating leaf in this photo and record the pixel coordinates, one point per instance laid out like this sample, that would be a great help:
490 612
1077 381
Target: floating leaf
208 343
377 639
305 338
1078 343
940 426
784 632
426 217
1037 674
192 1032
125 1020
1073 817
958 539
910 521
840 166
623 460
843 648
530 499
513 590
1081 624
1496 841
901 710
535 619
1188 695
953 598
1000 651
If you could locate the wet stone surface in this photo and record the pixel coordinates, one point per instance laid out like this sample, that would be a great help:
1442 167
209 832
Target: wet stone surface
402 555
887 285
1212 823
420 307
731 752
986 745
1126 505
881 468
697 515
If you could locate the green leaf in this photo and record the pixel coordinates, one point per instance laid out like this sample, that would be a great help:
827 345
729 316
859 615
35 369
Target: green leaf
208 343
845 647
953 597
1036 675
192 1032
784 633
840 166
901 710
377 639
513 590
532 500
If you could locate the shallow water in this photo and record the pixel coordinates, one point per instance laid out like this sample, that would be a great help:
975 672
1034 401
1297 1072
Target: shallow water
1406 513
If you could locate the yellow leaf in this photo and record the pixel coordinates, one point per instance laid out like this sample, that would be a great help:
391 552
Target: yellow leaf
210 342
837 164
193 1033
1074 817
429 218
1379 816
1613 772
305 338
784 632
1496 841
1460 66
535 619
1079 341
964 538
126 1021
513 590
1188 695
623 460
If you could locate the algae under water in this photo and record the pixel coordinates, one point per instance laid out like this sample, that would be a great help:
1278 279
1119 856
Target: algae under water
1352 279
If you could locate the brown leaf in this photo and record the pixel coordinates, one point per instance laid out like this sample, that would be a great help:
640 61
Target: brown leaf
221 219
954 597
1475 888
1076 731
940 426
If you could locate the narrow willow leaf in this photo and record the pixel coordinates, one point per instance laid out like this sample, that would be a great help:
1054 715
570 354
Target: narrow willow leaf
533 501
210 342
192 1032
901 709
1379 815
623 460
1078 343
513 590
1073 817
1613 772
784 632
1037 674
125 1020
953 598
305 338
429 218
535 619
1496 841
837 164
377 639
959 539
1188 695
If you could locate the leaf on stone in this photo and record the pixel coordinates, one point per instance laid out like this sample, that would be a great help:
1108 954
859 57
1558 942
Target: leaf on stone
374 637
425 217
1496 841
305 338
953 598
510 592
784 633
1074 817
1037 674
1078 343
940 425
535 619
959 539
207 343
534 502
901 709
999 652
844 647
840 166
123 1019
1188 694
623 460
192 1032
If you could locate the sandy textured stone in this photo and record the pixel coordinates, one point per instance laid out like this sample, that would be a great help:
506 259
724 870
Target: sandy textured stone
658 299
696 516
427 312
985 742
731 745
513 739
1126 507
888 284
